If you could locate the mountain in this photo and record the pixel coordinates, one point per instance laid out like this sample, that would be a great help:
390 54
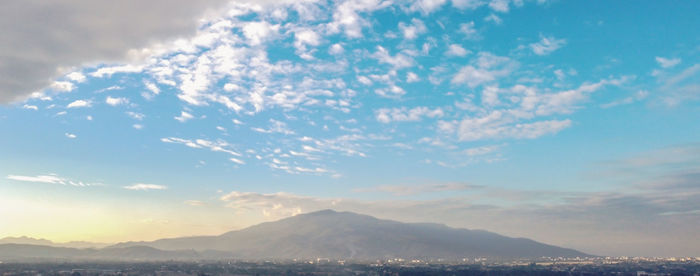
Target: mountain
346 235
33 241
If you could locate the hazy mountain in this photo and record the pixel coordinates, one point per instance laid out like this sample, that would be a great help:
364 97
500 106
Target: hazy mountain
33 241
25 252
333 234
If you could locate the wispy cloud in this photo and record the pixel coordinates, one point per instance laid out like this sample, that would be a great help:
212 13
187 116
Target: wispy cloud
79 103
145 187
547 45
51 179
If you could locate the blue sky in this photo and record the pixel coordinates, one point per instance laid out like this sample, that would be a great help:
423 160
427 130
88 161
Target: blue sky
569 122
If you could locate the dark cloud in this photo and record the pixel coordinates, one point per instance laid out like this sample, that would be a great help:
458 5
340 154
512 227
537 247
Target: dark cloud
42 39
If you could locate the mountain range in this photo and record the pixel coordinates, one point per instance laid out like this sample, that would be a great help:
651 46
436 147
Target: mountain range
322 234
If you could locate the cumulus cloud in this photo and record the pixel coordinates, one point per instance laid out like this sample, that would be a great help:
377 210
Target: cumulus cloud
145 187
98 31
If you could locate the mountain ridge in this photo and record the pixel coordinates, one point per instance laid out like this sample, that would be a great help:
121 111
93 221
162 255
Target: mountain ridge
320 234
329 233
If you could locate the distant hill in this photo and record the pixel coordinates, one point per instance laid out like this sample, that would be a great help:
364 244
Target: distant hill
28 252
33 241
346 235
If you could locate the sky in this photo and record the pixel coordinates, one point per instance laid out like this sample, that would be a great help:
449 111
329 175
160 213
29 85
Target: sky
574 123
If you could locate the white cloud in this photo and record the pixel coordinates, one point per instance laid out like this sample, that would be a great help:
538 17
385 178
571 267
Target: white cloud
62 86
426 6
116 101
386 115
486 68
412 77
497 125
79 103
215 146
137 126
346 16
152 87
275 127
111 70
145 187
390 92
135 115
413 30
547 45
32 107
468 4
668 62
638 96
473 76
483 150
398 61
258 32
184 116
468 30
237 161
306 37
500 5
456 50
565 102
70 135
336 49
76 77
51 179
364 80
493 18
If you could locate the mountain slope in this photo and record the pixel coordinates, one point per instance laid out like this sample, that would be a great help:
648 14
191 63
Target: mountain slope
333 234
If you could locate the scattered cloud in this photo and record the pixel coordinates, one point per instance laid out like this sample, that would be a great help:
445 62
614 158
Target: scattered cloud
386 115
